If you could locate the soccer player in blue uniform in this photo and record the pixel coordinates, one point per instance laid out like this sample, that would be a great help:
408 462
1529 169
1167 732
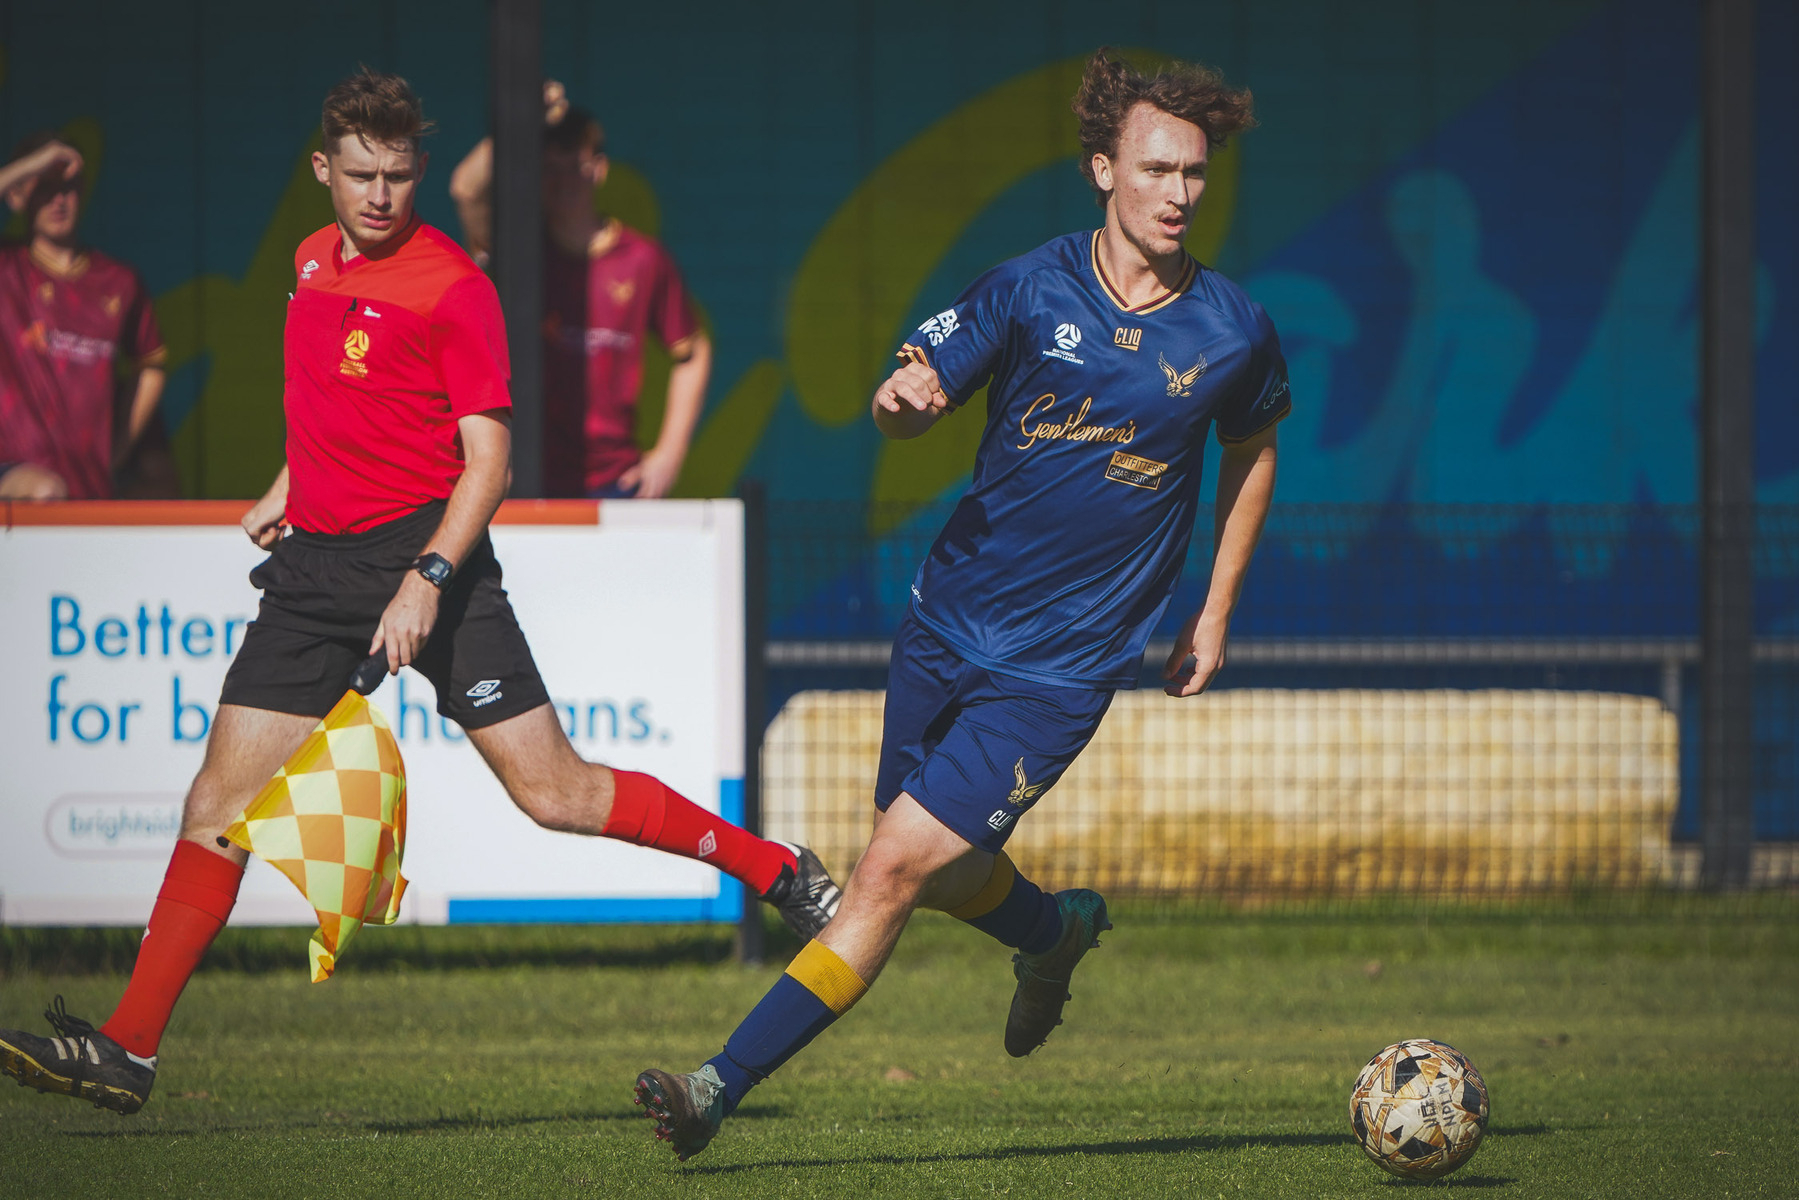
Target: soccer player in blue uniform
1108 355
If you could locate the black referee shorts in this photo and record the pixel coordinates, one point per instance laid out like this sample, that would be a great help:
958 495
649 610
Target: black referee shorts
322 599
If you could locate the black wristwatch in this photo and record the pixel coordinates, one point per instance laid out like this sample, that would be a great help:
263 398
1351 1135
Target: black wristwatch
435 568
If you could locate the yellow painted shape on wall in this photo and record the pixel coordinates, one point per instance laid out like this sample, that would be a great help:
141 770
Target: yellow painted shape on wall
1217 204
232 443
732 430
864 271
911 473
629 196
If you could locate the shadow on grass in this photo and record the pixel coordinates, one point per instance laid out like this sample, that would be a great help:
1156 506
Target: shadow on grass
258 951
488 1121
443 1122
1204 1142
1200 1142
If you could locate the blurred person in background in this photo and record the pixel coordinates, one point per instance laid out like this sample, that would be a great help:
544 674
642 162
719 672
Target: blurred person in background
606 287
80 356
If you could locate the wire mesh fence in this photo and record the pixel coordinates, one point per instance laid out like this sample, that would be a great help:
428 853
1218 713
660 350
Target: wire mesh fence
1445 704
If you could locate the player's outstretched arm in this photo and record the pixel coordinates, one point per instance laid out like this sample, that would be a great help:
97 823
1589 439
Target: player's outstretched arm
909 402
471 190
53 157
471 183
145 396
1245 490
486 474
659 469
263 521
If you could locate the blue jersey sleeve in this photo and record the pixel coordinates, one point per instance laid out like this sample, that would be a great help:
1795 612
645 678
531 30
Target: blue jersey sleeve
964 342
1263 397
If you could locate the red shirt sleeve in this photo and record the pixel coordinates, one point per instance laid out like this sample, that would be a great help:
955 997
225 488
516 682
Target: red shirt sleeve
468 347
671 315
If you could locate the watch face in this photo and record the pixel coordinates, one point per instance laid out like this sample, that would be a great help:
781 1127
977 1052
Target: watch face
435 568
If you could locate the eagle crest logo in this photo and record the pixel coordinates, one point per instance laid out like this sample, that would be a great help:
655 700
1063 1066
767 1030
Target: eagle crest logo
1180 383
1025 791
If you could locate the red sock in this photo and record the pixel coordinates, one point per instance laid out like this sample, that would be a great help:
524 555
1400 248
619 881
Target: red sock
195 901
646 812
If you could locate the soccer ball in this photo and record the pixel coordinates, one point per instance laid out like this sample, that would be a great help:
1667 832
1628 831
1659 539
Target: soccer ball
1419 1109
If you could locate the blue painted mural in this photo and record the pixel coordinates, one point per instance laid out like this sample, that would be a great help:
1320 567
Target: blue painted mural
1475 225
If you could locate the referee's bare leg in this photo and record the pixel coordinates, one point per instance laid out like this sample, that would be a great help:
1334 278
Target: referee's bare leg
118 1061
246 747
532 757
551 784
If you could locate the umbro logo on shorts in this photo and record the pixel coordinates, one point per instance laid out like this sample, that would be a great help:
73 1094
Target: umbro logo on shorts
485 692
708 844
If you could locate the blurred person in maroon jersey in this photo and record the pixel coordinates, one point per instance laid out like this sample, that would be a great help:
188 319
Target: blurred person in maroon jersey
606 287
80 355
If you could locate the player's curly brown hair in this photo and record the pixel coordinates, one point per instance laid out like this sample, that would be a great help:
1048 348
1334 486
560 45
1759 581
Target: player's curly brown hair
1111 87
374 106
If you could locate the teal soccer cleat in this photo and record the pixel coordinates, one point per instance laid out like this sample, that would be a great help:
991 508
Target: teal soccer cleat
1043 978
688 1109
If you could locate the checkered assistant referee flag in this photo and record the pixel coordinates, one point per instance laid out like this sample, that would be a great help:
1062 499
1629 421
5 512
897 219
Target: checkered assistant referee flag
333 820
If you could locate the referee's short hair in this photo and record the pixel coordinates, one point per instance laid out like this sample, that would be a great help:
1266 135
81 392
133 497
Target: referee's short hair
376 107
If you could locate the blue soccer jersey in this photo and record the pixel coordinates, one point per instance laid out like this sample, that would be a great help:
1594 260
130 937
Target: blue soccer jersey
1060 559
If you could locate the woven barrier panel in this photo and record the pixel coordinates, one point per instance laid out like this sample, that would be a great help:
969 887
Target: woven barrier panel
1298 793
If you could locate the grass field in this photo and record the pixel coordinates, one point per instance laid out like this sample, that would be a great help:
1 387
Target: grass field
1627 1056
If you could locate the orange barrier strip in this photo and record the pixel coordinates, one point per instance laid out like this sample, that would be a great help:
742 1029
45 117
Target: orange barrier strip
126 512
548 512
18 513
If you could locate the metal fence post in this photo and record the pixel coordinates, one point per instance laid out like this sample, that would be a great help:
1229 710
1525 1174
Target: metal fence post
1727 467
517 102
755 691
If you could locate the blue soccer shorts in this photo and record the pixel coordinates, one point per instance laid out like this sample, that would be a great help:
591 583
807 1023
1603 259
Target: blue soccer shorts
977 749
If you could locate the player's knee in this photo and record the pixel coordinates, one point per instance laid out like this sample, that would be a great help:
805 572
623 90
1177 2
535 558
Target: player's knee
560 804
894 869
545 807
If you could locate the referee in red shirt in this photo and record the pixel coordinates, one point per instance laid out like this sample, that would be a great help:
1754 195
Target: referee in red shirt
398 454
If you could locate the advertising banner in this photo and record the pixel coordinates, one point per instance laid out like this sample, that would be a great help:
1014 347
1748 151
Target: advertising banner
116 638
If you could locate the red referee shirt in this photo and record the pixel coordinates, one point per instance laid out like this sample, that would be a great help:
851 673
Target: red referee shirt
385 354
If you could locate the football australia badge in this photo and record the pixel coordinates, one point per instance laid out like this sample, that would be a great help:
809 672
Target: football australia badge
356 348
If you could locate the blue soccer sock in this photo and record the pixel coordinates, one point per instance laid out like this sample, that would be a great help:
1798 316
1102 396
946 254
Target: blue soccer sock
818 988
1013 910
